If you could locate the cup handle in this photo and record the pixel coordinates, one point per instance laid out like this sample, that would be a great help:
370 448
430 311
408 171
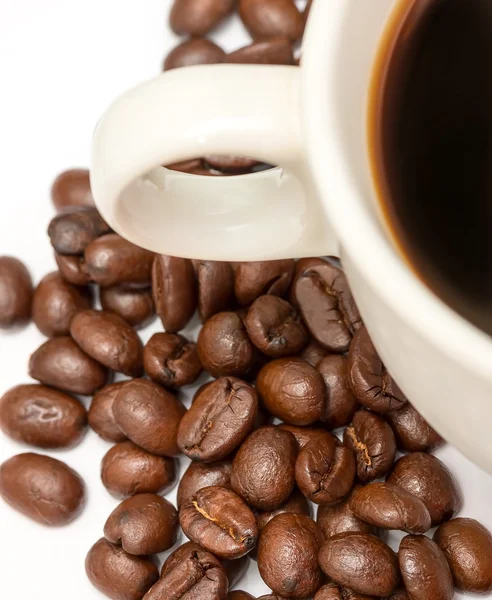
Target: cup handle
242 110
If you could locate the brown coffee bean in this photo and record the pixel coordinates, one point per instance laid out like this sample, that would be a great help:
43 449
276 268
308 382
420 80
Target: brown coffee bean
303 435
424 569
373 442
175 291
341 403
271 18
149 415
292 390
44 489
254 279
72 269
171 360
400 594
41 416
219 521
277 51
370 381
333 591
15 292
263 470
135 306
224 347
195 51
55 304
362 562
127 470
313 353
194 166
144 524
389 506
230 164
239 595
219 420
111 260
288 555
274 597
339 518
71 231
200 475
119 575
109 339
72 188
296 504
215 287
101 417
412 432
467 546
60 363
198 17
426 477
302 265
325 470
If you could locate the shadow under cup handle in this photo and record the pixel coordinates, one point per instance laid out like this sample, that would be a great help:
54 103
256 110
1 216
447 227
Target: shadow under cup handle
242 110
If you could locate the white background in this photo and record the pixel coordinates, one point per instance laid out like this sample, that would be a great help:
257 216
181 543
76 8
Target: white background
61 64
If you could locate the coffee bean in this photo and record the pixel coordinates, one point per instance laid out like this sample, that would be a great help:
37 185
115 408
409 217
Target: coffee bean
195 51
198 17
215 287
200 475
288 553
373 442
15 292
412 432
389 506
339 518
127 470
302 265
271 18
467 545
303 435
42 488
101 417
60 363
361 562
171 360
71 231
254 279
277 51
135 306
424 569
313 353
144 524
371 383
400 594
230 164
292 390
239 595
332 591
224 347
273 597
72 188
72 269
218 420
111 260
149 415
426 477
109 339
296 504
119 575
341 403
175 291
325 470
41 416
219 521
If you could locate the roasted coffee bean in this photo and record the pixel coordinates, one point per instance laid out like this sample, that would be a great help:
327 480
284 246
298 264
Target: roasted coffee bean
198 17
341 403
215 287
313 353
119 575
175 291
277 51
239 595
371 383
219 419
288 555
101 417
292 390
412 432
74 229
224 347
389 506
41 416
339 518
362 562
42 488
127 470
55 304
296 504
149 415
373 442
271 18
15 292
333 591
193 166
111 260
72 269
135 306
400 594
263 470
254 279
60 363
467 545
303 435
230 164
302 265
109 339
219 521
327 306
195 51
72 188
171 360
426 477
200 475
144 524
274 597
424 569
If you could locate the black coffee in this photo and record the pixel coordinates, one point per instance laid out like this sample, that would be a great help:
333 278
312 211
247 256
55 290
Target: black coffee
431 146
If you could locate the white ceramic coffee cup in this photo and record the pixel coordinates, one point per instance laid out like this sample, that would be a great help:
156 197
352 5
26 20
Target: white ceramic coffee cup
312 122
